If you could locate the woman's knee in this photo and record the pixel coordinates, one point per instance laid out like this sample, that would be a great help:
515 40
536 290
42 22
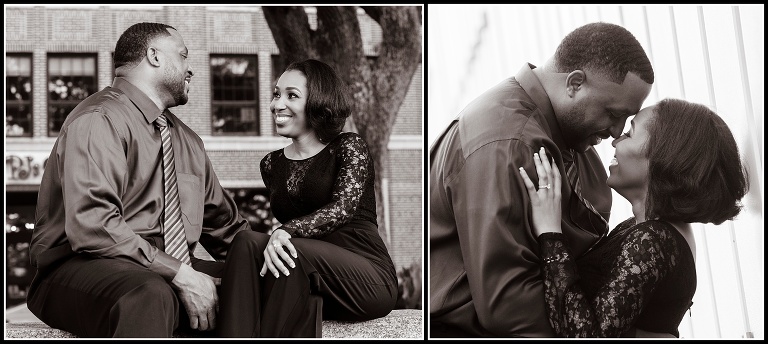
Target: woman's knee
382 307
244 236
249 238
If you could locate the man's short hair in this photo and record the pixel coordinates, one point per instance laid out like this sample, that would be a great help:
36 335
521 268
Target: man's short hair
605 48
132 45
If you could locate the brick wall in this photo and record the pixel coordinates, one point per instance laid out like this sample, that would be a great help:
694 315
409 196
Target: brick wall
41 30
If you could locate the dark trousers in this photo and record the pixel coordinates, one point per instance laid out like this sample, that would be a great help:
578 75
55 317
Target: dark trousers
110 298
440 330
328 282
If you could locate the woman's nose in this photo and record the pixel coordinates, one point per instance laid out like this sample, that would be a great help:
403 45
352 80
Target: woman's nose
278 103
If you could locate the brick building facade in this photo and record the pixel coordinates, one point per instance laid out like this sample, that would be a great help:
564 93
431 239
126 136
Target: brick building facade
42 40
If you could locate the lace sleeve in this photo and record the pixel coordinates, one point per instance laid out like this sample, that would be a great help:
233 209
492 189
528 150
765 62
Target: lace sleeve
647 254
266 169
347 192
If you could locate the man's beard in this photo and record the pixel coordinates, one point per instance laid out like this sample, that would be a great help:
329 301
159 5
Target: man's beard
575 131
177 89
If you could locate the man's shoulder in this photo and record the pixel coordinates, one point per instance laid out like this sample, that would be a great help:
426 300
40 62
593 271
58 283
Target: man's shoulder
504 112
109 97
503 104
102 104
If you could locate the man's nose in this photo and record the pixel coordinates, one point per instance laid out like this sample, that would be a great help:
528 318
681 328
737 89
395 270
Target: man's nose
616 141
618 127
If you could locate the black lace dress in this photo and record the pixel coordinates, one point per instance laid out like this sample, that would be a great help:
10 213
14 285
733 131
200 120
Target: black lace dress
342 269
329 196
640 276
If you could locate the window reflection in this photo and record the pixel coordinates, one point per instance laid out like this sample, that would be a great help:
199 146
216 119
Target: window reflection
70 80
234 107
18 95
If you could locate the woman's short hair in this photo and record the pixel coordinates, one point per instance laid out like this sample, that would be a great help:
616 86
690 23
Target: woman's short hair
695 173
132 45
328 101
605 48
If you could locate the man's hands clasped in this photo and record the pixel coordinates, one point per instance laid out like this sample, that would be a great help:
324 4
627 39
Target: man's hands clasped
197 292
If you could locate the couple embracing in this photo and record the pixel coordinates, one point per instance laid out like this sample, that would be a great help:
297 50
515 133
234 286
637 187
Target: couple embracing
520 200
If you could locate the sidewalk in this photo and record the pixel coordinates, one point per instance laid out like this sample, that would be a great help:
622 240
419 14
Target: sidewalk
19 314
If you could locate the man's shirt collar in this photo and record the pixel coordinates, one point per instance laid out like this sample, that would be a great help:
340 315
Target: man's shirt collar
147 107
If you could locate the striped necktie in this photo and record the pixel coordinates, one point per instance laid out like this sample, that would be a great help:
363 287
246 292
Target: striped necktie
572 171
173 228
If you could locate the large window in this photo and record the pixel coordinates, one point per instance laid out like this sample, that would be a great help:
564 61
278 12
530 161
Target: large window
234 88
71 78
18 95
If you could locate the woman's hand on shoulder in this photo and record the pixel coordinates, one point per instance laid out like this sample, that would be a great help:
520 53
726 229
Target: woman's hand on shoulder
545 202
275 256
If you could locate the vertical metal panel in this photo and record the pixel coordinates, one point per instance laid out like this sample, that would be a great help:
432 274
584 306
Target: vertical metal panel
707 65
621 15
756 147
703 232
713 102
677 52
739 281
650 49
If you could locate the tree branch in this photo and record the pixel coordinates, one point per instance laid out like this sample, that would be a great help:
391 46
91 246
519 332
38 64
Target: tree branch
291 31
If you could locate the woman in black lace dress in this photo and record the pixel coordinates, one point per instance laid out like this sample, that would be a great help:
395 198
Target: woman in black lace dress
678 164
326 260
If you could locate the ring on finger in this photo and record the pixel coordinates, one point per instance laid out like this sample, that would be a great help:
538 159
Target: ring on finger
547 186
277 244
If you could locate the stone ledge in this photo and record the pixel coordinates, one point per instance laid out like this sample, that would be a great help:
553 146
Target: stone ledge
400 323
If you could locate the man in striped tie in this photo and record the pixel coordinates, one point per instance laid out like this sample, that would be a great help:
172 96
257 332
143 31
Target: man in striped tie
484 269
127 191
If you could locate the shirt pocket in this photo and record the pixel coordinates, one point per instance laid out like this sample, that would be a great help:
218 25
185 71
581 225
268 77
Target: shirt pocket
191 198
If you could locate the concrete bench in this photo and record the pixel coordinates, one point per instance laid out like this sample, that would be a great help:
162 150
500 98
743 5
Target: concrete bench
400 323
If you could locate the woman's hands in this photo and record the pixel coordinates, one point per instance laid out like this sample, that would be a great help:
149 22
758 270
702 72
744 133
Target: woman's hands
546 201
275 255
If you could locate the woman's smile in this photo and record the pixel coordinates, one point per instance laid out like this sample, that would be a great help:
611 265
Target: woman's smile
282 118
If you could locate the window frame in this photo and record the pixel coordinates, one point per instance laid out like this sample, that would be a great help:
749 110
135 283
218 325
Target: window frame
50 102
29 103
255 103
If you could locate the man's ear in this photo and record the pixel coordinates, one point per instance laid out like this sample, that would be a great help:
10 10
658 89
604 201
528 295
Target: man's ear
574 81
152 57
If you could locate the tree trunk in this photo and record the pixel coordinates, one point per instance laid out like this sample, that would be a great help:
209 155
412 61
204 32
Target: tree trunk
378 85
